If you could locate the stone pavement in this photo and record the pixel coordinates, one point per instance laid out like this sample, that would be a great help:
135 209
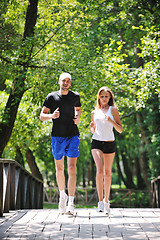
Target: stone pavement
87 224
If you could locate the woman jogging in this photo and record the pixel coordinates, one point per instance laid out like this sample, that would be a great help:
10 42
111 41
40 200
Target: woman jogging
104 118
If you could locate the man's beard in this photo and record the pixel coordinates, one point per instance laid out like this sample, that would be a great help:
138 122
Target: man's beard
65 88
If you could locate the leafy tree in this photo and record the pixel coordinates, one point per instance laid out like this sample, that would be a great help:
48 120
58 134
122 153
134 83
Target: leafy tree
114 43
20 70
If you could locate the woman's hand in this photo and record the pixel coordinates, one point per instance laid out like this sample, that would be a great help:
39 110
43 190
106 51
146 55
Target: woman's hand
92 127
107 118
116 122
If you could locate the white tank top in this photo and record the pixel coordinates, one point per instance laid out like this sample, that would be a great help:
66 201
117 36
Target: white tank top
104 129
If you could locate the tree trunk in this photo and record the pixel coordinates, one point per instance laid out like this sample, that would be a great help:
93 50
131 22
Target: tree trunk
84 177
128 172
88 172
144 141
139 60
143 152
18 85
32 164
120 174
19 156
93 173
140 181
154 101
10 112
128 181
124 50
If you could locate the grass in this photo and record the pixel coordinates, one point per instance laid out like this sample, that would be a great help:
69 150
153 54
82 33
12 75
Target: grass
55 206
50 206
113 186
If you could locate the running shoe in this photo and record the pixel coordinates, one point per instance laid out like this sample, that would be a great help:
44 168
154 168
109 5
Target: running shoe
107 207
100 206
62 203
70 209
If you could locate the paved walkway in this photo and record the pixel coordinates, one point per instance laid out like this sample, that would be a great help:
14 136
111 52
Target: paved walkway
86 224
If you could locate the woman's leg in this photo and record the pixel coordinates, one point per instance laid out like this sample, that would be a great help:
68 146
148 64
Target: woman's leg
108 161
97 156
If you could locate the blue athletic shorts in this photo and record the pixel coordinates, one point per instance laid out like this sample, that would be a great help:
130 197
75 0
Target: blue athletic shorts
65 146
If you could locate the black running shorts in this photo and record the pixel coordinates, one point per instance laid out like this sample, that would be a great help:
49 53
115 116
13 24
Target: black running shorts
105 147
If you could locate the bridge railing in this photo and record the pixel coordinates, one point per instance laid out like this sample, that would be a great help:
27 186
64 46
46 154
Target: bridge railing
155 192
18 188
88 196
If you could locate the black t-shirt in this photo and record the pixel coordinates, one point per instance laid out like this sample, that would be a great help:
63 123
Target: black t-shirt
63 126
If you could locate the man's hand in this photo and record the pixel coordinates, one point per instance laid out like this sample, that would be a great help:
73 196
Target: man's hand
55 114
77 115
76 120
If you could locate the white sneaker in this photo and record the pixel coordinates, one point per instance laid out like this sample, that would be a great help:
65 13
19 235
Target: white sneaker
62 204
100 206
107 207
70 208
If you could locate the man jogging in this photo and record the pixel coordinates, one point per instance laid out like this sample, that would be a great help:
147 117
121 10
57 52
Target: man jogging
63 107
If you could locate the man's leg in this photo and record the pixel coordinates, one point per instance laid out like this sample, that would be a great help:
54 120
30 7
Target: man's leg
71 164
60 173
61 184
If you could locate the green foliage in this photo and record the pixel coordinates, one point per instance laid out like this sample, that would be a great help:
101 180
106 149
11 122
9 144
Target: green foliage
99 43
138 199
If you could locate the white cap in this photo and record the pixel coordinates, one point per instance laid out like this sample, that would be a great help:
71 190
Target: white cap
64 75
